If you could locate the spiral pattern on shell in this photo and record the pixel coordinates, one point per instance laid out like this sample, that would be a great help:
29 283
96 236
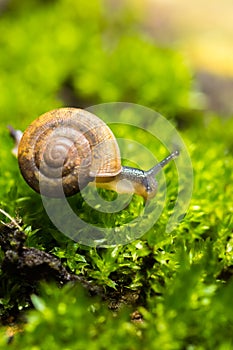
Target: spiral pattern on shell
64 149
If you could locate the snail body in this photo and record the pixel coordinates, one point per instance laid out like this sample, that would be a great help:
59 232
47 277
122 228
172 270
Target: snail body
65 149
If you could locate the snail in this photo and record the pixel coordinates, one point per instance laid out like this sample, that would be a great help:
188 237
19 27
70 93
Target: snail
67 148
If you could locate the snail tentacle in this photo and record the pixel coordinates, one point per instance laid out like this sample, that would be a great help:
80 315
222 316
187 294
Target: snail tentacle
155 169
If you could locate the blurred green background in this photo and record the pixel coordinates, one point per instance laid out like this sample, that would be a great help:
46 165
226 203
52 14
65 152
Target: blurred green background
56 53
67 52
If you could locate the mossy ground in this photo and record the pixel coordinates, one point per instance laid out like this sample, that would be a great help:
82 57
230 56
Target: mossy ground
162 291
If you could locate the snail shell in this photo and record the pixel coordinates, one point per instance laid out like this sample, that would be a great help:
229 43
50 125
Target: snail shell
66 148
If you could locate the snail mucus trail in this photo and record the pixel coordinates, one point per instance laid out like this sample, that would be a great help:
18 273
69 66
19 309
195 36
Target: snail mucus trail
78 137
